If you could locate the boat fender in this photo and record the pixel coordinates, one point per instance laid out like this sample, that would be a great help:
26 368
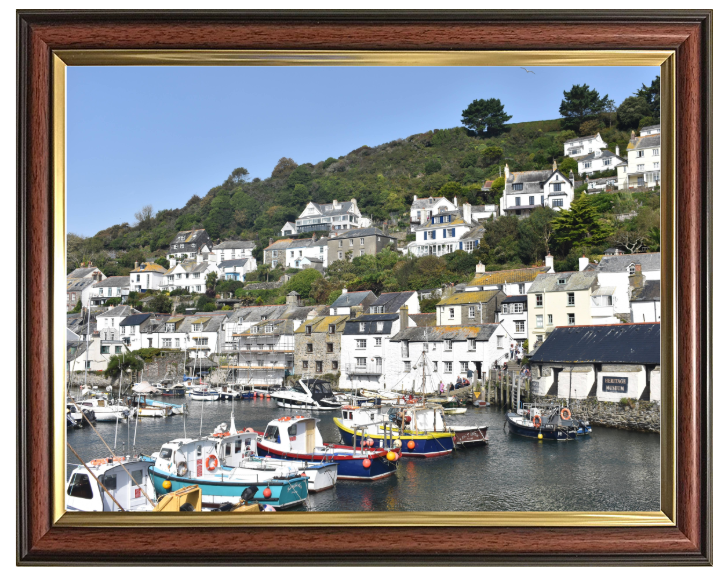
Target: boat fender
211 462
397 444
537 421
565 414
182 469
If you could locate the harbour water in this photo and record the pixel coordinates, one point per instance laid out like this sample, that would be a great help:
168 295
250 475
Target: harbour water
614 470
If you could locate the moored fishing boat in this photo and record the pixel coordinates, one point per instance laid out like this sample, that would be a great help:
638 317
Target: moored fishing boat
298 438
418 429
104 409
174 408
204 394
177 390
546 421
184 462
124 479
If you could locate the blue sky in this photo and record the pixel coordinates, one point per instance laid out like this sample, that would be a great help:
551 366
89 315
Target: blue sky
157 136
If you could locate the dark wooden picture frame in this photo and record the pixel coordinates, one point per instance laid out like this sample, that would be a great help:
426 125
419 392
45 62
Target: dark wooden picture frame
686 33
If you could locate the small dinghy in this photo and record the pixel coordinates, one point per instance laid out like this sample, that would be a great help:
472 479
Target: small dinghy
298 438
204 394
546 421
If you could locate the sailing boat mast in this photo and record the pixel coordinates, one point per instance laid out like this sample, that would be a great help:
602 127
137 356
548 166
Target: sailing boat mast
87 342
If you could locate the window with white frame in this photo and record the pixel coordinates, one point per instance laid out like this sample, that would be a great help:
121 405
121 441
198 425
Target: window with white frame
464 366
362 326
538 321
500 340
504 308
656 152
656 165
202 341
448 367
471 312
571 298
197 327
538 299
254 329
452 313
435 366
406 365
268 329
472 344
571 319
361 362
557 203
362 241
587 164
360 343
550 319
448 345
177 342
519 326
517 186
641 167
378 341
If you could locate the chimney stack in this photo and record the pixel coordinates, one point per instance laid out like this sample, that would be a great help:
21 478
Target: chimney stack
403 317
479 268
583 263
414 197
136 264
455 201
554 165
344 290
617 150
270 241
314 236
467 213
507 172
549 263
637 280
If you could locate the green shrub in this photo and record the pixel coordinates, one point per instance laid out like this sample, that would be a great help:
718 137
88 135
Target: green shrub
432 166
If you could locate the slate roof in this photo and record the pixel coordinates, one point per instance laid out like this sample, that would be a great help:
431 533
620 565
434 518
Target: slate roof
189 267
603 154
573 281
320 324
428 319
532 180
235 245
343 208
352 299
473 234
649 292
352 327
650 261
292 244
581 138
255 313
469 297
81 272
653 127
457 220
643 142
515 299
392 301
114 282
279 327
118 311
134 320
440 333
610 343
149 267
507 276
230 263
188 236
421 203
360 233
78 283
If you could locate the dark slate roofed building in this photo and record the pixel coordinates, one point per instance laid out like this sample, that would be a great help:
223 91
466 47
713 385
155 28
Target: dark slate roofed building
348 300
370 324
135 319
235 245
424 319
361 232
608 362
231 263
390 302
481 332
189 242
650 262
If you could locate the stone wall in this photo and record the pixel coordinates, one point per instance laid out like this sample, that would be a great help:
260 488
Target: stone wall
641 416
167 366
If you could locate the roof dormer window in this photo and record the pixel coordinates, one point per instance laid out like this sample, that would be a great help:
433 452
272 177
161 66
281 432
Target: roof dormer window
517 187
562 280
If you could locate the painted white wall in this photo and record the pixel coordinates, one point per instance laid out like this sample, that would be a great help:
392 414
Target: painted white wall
583 146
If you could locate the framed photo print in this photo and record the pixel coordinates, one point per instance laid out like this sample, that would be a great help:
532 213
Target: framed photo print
296 284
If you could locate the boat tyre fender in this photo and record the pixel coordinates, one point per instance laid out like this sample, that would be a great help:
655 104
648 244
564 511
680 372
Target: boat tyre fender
537 421
182 469
565 414
211 462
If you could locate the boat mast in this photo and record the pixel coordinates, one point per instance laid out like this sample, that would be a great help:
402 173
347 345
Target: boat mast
87 342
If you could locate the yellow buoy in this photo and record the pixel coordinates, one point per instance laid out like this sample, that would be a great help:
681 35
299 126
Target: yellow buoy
167 484
539 436
391 456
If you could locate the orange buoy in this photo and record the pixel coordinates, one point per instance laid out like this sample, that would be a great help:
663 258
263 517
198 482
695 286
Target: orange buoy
370 442
411 445
367 463
267 492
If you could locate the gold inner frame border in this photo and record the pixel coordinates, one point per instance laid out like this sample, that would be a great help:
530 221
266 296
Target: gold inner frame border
665 59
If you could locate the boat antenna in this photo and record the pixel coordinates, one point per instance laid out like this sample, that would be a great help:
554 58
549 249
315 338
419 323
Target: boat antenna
87 342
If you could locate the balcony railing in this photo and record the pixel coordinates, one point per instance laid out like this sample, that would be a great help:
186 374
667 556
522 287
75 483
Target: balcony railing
360 369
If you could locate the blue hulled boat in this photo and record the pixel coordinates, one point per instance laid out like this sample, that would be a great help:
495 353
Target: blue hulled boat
546 422
298 438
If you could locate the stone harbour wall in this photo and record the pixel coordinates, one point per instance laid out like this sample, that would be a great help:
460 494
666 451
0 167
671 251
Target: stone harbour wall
640 416
168 366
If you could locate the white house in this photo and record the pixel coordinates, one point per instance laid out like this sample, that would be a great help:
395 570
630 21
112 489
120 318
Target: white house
108 323
392 302
132 330
286 251
650 130
423 208
645 303
599 161
444 353
235 250
188 244
236 269
525 191
190 274
484 212
146 276
620 275
288 229
514 317
598 185
365 348
584 145
113 287
329 217
79 285
442 233
95 355
345 303
643 163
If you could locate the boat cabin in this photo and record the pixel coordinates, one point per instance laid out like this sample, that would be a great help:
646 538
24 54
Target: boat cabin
422 418
318 389
83 493
293 434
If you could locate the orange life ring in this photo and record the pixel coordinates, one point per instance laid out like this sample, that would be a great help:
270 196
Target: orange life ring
212 458
537 421
221 434
284 419
563 412
349 407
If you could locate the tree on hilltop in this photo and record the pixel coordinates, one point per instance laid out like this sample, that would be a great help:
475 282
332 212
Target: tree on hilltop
580 104
485 117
